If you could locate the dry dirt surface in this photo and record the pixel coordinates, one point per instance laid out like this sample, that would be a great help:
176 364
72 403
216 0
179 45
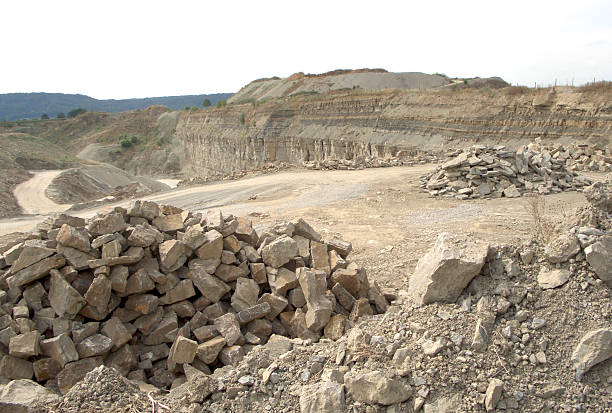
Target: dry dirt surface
382 211
31 196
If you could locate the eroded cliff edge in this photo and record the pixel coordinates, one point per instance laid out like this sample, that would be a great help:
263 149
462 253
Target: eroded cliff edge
346 124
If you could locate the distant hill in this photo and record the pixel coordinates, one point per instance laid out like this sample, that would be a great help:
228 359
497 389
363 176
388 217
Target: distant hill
14 106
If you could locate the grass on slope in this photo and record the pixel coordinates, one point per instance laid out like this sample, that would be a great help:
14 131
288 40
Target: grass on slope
20 150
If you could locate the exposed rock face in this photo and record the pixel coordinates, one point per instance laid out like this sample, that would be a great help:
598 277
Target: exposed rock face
348 125
443 273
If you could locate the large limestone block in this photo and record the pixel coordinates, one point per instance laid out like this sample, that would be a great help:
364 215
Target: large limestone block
562 248
314 286
279 252
65 300
599 257
375 387
594 347
76 238
107 224
18 395
30 254
322 397
35 271
443 273
75 372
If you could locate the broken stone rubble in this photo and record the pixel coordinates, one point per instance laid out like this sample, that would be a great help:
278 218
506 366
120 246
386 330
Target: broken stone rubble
151 289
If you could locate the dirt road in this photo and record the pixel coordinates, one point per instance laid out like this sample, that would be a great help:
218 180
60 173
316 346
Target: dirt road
31 196
383 212
265 193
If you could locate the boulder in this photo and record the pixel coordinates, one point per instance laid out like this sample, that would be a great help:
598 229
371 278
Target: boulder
443 273
314 286
562 248
107 224
77 238
279 252
18 395
599 257
593 348
548 279
65 300
493 394
322 397
376 387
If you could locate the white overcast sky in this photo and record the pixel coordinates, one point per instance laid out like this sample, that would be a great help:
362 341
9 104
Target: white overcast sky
133 48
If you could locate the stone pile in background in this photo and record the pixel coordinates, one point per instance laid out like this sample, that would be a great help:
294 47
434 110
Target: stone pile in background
361 162
583 157
493 172
154 289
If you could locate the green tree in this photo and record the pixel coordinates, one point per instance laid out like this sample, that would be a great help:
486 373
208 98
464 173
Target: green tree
221 103
44 116
126 143
187 107
206 103
76 112
134 139
60 115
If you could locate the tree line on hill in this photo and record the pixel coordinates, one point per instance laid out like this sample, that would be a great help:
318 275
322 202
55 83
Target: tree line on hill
15 106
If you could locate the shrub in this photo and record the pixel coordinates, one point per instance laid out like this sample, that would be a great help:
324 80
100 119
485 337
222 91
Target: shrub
44 116
61 115
76 112
134 139
126 143
206 103
242 120
221 103
187 108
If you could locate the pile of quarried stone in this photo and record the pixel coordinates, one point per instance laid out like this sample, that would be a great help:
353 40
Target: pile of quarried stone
149 290
493 172
361 162
583 157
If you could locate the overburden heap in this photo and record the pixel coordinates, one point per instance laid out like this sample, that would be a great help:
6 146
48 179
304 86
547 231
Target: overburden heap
150 290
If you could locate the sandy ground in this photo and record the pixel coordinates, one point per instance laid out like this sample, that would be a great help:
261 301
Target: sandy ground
383 212
31 196
172 183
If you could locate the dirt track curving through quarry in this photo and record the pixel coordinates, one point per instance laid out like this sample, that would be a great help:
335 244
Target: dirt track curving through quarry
382 211
31 196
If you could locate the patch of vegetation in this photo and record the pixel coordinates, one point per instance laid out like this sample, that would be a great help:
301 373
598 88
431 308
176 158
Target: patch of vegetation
221 103
44 116
242 120
60 115
126 143
206 103
31 151
304 93
602 86
76 112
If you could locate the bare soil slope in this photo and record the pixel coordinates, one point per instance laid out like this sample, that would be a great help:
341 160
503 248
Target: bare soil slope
367 79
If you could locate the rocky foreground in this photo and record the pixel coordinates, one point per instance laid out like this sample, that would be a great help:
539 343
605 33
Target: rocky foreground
107 316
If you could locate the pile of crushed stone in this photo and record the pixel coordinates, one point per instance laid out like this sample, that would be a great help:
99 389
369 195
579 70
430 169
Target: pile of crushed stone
102 390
